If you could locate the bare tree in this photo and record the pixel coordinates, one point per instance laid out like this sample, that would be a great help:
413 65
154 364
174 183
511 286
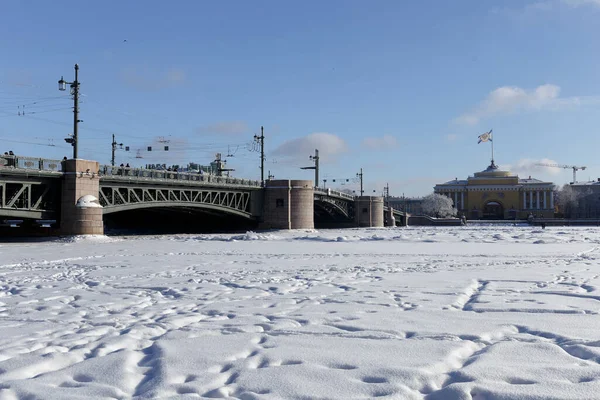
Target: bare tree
439 206
568 200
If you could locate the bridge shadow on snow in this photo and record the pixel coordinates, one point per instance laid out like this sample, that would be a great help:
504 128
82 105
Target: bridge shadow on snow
174 220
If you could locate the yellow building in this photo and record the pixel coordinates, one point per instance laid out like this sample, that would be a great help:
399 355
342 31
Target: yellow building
495 194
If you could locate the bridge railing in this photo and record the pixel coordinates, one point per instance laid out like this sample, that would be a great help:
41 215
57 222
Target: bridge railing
30 163
336 193
154 174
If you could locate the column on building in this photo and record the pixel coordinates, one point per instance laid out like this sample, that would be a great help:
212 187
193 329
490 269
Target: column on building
537 199
462 200
530 199
524 200
552 200
545 195
456 200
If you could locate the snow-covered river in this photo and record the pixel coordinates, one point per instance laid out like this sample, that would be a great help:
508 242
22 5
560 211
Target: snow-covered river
395 313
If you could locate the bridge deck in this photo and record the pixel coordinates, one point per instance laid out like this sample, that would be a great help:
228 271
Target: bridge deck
139 175
27 189
26 167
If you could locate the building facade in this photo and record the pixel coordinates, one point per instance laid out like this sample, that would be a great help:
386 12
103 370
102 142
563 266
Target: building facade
412 206
496 194
586 200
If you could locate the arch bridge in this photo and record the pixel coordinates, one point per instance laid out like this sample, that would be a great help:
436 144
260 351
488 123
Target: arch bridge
41 189
124 189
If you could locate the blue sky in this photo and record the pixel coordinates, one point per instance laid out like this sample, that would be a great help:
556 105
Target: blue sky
401 89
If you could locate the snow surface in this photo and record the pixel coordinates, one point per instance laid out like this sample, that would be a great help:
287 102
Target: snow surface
397 313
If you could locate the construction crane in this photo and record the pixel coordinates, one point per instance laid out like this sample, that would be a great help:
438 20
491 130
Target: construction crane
573 167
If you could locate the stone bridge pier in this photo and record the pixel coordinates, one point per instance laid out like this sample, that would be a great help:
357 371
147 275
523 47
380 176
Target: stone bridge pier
368 211
389 218
288 204
80 213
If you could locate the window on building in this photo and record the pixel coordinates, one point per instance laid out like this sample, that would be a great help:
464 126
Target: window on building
365 210
279 203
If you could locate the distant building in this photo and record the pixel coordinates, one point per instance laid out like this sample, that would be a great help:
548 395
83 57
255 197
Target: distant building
496 194
588 200
409 205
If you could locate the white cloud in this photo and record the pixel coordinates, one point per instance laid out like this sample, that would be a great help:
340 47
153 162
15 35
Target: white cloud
507 100
527 166
329 146
380 143
225 128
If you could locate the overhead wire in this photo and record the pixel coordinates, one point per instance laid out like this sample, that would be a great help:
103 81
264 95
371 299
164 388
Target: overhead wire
25 142
14 103
33 104
46 111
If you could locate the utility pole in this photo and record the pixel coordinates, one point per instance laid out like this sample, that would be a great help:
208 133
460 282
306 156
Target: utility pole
360 175
261 139
75 87
114 147
75 92
315 158
270 176
386 193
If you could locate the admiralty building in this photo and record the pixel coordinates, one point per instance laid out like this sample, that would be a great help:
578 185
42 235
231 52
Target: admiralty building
496 194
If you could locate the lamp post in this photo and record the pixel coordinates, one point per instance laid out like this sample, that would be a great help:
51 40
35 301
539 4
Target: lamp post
261 140
360 175
114 147
62 86
386 194
314 158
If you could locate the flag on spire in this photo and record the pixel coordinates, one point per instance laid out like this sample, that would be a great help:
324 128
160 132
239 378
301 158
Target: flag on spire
484 137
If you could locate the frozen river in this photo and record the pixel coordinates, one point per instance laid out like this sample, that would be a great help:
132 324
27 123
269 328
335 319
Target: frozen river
396 313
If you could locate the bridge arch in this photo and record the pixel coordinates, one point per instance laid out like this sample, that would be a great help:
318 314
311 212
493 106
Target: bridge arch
332 207
122 198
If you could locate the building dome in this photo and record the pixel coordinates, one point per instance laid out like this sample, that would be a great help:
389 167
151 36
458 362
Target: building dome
492 171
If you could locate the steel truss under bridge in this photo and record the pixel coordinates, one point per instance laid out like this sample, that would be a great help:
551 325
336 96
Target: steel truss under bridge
334 206
31 198
115 198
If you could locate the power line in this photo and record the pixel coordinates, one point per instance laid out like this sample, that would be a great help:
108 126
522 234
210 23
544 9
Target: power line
46 111
22 112
22 142
15 102
48 120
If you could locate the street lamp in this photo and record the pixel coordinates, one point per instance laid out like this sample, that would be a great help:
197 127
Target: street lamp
360 176
314 158
62 86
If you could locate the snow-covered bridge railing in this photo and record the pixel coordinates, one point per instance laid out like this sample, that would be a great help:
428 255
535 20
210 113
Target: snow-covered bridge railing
108 172
334 193
29 164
